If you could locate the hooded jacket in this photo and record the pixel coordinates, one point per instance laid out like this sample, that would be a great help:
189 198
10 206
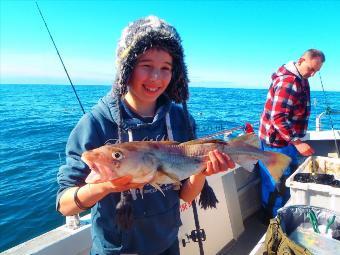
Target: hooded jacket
156 217
287 108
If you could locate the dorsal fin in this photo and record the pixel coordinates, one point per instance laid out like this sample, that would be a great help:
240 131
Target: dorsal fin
202 141
167 142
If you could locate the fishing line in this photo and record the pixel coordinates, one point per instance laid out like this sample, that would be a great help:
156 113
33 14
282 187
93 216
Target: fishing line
329 112
61 60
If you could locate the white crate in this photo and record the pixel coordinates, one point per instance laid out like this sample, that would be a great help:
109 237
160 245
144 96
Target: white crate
316 194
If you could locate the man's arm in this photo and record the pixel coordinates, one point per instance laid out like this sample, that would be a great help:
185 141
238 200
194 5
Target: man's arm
283 103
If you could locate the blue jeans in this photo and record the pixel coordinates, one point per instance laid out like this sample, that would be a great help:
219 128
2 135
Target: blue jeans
274 194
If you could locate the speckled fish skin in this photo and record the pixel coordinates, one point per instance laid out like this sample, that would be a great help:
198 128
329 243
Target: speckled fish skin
170 162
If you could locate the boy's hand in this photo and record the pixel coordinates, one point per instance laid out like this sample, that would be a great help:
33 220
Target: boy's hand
123 183
218 162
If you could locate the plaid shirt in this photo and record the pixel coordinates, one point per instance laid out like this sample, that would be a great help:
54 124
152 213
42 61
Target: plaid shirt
287 108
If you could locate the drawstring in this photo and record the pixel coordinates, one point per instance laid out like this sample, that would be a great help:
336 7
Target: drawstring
168 127
130 135
124 214
170 137
132 191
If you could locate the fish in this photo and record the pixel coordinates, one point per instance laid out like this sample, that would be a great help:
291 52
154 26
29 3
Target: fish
169 162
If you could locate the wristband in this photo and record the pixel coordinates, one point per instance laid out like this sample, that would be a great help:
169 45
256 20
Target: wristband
77 201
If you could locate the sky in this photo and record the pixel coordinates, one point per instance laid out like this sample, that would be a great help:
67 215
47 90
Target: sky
226 43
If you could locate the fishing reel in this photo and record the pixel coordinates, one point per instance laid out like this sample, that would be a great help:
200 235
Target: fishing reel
194 236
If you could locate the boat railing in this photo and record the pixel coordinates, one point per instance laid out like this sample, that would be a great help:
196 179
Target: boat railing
328 111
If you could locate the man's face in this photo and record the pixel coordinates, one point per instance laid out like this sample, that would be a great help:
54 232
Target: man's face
309 66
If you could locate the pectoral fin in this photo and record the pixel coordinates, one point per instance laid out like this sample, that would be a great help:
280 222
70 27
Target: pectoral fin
133 194
157 187
141 190
174 179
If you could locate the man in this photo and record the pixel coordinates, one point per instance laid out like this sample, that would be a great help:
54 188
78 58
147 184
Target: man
284 121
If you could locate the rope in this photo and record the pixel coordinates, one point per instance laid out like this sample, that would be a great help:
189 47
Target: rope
328 111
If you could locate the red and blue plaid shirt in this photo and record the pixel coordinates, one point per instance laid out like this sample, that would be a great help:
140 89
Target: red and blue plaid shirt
287 108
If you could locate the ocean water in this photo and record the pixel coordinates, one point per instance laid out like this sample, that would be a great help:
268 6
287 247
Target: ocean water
37 119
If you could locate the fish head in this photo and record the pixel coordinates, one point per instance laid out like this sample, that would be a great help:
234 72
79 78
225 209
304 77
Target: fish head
113 161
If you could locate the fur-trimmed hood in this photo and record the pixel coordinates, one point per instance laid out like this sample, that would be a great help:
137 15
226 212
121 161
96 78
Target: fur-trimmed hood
142 35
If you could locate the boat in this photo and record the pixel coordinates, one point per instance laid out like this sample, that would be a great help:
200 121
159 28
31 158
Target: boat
232 228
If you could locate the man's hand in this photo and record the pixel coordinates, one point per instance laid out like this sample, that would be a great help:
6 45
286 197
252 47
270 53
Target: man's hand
303 148
218 162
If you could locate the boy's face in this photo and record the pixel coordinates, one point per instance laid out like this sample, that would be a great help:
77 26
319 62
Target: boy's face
151 76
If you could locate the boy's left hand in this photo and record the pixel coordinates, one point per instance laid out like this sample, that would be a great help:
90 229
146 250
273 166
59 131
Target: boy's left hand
218 162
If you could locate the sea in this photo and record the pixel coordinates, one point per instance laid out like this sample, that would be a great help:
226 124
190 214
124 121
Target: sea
36 121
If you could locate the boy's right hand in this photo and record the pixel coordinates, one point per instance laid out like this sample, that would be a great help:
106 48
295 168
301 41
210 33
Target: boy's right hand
123 183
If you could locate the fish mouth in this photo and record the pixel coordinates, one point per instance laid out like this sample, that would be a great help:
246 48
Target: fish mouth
94 177
88 160
100 172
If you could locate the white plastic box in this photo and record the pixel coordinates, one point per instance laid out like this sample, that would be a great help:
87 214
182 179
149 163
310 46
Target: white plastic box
314 194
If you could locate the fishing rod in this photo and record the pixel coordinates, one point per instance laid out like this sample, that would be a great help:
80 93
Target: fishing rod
225 131
198 234
61 60
330 115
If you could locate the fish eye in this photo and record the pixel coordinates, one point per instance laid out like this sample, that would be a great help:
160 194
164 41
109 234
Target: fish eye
117 155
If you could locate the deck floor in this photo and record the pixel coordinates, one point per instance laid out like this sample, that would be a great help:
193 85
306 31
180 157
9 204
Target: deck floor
254 230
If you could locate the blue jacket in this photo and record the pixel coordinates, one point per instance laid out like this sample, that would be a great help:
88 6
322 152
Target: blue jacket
156 217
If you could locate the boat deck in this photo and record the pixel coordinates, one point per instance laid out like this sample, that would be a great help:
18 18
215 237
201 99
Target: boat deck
254 231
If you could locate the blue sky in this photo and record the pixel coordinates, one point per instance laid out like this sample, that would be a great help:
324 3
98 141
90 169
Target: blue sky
228 43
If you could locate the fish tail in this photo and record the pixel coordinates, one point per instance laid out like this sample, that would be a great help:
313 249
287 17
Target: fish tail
276 163
207 197
249 138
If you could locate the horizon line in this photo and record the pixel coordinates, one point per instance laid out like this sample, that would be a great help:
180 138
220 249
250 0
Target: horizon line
193 83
